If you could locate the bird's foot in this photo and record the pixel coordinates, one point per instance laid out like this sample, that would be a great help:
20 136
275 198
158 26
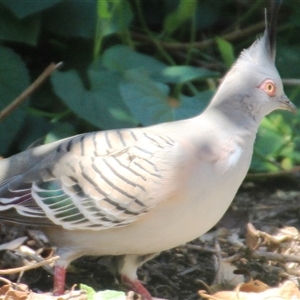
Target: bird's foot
137 287
59 280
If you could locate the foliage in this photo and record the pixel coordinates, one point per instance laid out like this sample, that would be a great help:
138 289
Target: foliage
103 295
131 63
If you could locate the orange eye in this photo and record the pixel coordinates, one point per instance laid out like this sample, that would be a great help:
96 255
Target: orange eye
269 87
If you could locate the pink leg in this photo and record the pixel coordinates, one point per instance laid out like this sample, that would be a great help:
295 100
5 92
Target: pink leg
59 280
137 287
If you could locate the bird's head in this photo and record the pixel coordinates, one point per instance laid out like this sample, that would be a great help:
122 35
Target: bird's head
253 84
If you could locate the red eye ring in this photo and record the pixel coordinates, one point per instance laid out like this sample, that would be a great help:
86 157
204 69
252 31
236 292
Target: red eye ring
269 87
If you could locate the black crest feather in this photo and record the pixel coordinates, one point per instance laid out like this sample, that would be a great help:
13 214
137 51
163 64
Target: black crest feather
271 27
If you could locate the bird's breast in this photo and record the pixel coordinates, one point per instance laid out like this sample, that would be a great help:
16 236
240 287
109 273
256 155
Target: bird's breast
193 194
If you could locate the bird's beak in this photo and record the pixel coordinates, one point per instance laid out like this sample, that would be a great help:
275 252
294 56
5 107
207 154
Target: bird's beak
286 104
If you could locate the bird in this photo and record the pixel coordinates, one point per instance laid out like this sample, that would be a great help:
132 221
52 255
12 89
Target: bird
132 193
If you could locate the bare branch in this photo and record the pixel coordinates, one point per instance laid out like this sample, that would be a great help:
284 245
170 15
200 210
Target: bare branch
232 36
20 99
29 267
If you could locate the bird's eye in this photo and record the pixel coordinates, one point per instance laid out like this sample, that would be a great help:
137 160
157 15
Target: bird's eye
269 87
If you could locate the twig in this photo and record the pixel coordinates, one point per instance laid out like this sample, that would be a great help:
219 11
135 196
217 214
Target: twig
291 81
25 251
33 266
238 33
293 272
5 280
233 258
162 278
276 175
200 248
275 256
17 101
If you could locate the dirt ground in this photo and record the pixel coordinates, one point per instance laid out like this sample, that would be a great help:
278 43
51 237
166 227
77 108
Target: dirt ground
269 202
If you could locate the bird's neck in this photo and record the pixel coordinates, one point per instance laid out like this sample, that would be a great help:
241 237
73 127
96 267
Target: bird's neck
239 128
234 117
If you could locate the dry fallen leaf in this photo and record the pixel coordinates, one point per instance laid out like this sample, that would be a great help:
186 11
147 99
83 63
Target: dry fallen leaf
254 286
250 285
288 290
13 291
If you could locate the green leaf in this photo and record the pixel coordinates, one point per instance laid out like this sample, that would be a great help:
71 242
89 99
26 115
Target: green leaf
269 142
207 14
117 18
274 146
113 16
226 50
34 130
181 74
60 131
24 8
150 103
103 9
16 30
146 99
109 295
192 106
260 164
102 295
287 58
121 58
13 80
101 105
72 18
184 12
90 292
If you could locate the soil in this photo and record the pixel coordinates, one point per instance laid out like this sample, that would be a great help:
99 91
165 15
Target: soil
269 202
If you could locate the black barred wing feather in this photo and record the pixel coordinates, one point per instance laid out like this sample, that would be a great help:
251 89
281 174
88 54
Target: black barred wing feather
92 181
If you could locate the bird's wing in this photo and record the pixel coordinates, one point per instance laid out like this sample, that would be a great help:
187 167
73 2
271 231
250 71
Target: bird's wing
92 181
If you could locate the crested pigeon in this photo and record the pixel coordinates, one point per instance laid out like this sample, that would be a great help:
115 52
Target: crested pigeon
132 193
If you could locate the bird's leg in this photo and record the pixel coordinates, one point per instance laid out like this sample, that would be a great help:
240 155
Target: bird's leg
59 280
137 287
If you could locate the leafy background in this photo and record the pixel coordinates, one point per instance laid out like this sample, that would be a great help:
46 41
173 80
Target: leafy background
131 63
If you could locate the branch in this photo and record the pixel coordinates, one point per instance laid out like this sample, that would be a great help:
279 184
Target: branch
291 81
29 267
13 105
275 256
238 33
